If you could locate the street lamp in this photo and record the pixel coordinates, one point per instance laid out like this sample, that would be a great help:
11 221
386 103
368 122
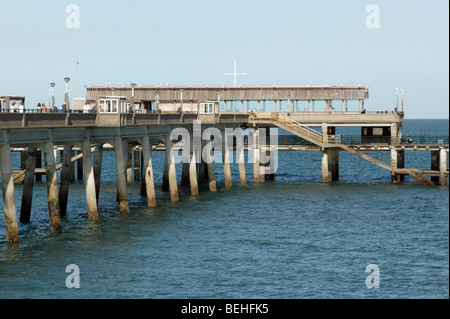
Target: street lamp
67 107
289 103
78 63
133 85
401 91
396 90
181 98
53 94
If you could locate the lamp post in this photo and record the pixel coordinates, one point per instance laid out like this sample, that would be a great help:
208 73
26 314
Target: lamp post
67 107
53 95
133 85
396 90
401 91
289 103
181 98
78 63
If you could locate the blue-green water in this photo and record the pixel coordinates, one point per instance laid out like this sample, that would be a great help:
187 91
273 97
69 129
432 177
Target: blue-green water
291 238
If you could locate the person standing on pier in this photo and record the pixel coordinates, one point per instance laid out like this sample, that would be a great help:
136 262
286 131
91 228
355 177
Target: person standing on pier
39 108
21 107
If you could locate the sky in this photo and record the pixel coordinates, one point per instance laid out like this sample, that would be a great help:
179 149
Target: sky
193 42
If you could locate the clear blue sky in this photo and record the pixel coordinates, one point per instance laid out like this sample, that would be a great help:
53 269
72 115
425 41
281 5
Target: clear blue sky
193 42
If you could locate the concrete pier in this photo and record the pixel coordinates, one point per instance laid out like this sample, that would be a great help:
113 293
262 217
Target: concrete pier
9 203
330 165
226 160
27 194
256 152
91 194
443 166
172 174
397 162
65 179
148 168
193 178
52 188
121 177
98 159
240 155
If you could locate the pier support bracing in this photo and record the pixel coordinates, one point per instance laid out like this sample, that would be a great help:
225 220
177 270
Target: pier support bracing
147 167
52 189
9 203
443 166
91 194
65 178
121 176
28 182
330 165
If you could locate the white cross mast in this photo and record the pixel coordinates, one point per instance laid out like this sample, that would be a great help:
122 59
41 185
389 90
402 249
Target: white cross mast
235 74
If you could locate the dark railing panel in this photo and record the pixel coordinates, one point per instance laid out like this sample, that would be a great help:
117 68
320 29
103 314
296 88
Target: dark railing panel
82 119
45 119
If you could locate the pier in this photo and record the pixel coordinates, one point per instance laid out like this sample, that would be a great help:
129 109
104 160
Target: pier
134 121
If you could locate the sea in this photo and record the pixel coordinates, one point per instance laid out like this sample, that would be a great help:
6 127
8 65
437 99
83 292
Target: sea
292 238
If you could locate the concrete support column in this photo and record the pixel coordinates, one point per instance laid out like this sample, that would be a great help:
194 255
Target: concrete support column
193 168
80 167
27 194
165 180
242 106
98 158
209 159
172 174
137 165
268 176
65 179
325 133
202 166
129 165
9 202
52 189
443 166
397 161
330 165
226 159
185 173
121 178
275 106
148 168
39 164
240 155
435 165
256 166
91 194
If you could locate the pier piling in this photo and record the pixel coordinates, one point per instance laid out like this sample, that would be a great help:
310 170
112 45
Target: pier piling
52 189
28 182
9 203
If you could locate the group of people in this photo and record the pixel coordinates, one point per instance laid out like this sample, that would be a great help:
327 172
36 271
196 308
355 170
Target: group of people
17 109
41 108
